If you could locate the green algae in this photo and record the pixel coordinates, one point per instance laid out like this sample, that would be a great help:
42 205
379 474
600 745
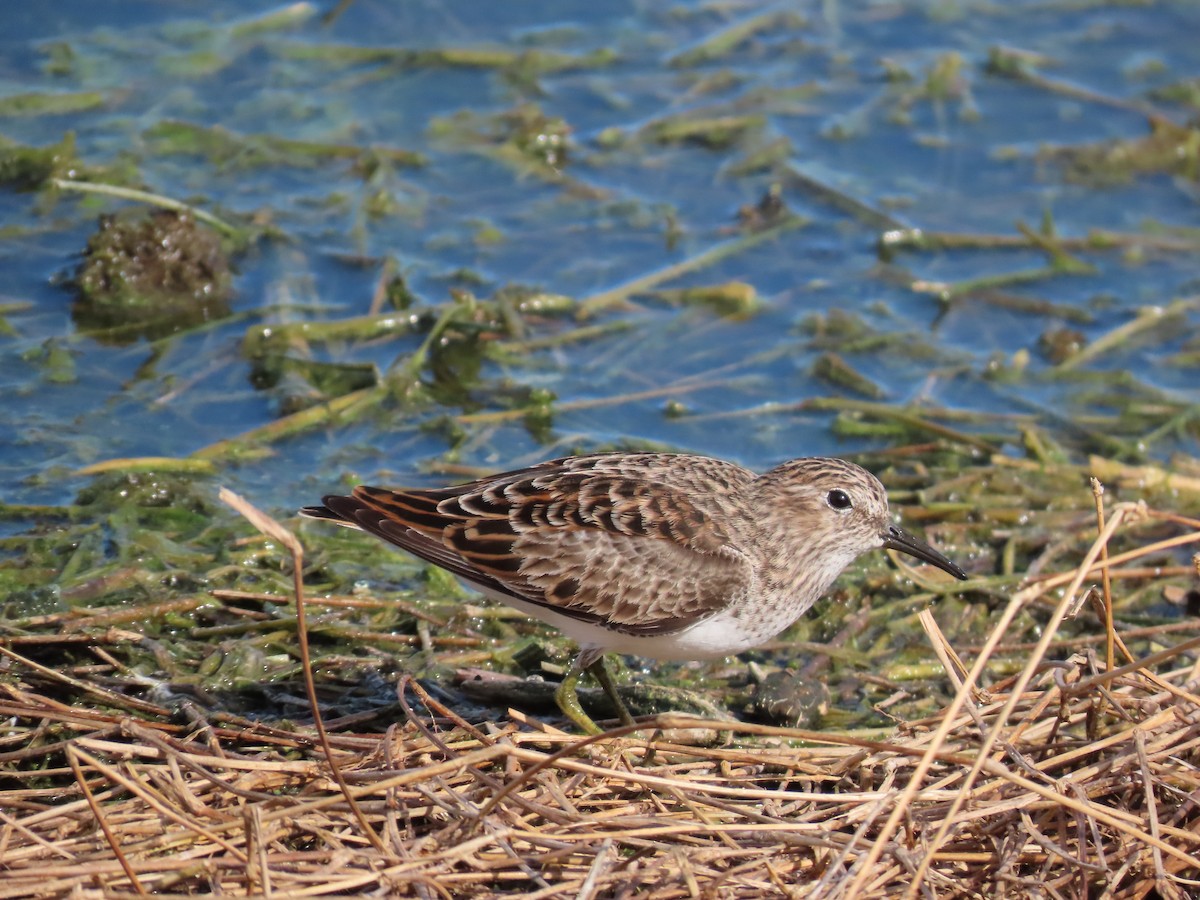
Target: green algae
47 104
1169 148
224 147
30 168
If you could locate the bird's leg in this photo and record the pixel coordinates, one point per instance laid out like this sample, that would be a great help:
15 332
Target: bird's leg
567 694
590 660
600 672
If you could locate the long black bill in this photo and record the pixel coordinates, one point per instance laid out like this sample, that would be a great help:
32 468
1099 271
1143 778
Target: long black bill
896 538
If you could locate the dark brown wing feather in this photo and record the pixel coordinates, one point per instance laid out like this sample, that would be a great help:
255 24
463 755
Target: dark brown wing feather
567 535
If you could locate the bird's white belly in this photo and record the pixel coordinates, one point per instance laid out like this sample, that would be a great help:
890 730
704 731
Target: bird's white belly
723 634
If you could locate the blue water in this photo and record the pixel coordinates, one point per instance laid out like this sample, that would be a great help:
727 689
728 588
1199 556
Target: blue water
945 168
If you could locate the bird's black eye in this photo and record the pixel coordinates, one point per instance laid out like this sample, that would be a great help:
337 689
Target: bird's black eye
839 499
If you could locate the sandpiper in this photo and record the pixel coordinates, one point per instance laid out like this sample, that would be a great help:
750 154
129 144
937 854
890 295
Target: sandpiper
661 555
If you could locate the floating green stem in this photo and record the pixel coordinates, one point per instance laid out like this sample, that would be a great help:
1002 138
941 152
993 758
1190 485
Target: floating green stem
124 193
1147 318
722 43
619 296
251 443
164 464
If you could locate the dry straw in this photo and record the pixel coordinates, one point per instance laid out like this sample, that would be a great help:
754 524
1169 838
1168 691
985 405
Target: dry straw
1072 778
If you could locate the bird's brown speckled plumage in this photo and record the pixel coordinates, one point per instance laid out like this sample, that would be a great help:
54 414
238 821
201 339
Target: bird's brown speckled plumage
638 544
664 555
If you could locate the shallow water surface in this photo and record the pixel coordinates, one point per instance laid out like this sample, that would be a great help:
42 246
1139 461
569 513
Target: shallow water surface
571 149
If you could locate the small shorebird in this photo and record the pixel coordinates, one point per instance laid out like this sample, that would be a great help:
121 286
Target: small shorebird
669 556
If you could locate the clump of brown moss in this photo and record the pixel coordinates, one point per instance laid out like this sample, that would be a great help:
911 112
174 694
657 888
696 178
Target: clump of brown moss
151 275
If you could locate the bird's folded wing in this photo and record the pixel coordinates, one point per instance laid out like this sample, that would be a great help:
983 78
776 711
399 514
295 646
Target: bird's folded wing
636 557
